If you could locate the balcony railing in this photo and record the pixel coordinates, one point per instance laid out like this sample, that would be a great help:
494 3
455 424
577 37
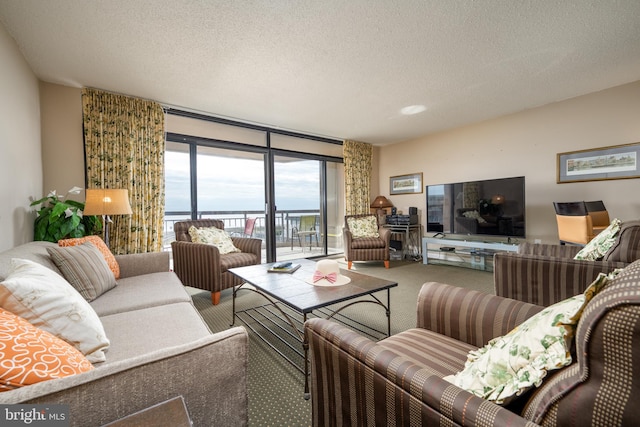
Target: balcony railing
234 222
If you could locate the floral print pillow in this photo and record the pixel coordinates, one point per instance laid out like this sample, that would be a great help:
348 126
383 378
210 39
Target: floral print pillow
213 236
600 245
363 227
511 364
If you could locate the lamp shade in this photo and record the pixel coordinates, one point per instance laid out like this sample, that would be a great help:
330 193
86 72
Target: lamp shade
381 202
497 199
106 201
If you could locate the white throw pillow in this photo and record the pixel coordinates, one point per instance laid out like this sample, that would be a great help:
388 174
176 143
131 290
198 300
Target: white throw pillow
213 236
47 301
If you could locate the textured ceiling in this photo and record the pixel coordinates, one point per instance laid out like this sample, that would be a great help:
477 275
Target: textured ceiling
341 69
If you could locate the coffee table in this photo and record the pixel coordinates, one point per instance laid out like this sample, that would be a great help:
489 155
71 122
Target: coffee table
290 294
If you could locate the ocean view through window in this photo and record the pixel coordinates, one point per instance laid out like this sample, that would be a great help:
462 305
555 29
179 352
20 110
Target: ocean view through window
241 183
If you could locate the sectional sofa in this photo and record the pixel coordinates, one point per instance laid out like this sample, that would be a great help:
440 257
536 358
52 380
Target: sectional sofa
401 379
160 348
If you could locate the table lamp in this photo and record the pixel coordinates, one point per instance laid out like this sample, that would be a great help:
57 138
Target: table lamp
106 202
380 204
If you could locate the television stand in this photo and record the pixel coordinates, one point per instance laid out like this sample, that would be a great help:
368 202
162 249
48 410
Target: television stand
474 254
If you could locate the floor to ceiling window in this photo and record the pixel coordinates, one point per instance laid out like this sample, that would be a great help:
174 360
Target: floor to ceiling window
286 187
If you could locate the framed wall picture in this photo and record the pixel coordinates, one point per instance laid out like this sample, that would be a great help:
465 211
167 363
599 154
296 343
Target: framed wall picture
406 184
614 162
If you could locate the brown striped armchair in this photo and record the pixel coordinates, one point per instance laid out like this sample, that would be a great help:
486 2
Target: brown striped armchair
202 266
366 248
545 274
399 380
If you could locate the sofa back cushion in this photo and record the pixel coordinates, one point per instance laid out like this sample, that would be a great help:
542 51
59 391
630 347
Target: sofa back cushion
33 251
604 382
627 247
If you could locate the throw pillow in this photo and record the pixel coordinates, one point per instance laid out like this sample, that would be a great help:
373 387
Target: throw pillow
510 365
30 355
600 245
213 236
84 267
47 301
363 227
102 247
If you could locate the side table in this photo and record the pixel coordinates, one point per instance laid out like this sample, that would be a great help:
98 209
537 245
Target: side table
170 413
410 235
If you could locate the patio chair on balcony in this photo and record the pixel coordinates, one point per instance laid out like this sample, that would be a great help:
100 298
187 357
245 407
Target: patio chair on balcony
249 226
306 228
202 266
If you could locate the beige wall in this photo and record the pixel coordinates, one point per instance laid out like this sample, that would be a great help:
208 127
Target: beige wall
20 155
526 144
62 141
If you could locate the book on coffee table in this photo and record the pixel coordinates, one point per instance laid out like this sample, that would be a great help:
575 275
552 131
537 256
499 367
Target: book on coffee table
283 267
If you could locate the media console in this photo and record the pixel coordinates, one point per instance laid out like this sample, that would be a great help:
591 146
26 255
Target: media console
474 254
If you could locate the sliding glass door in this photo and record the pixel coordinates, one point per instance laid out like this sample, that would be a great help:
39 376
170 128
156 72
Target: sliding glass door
283 189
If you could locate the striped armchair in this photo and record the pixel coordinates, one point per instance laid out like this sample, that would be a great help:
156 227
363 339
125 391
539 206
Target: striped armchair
365 248
202 266
545 274
398 381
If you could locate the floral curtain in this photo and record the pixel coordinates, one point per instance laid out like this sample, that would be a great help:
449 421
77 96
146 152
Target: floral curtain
357 171
124 148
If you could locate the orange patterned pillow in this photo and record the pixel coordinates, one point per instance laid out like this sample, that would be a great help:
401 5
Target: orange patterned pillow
29 355
102 247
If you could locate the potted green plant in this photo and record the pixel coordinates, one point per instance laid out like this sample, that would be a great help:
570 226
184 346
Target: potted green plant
60 219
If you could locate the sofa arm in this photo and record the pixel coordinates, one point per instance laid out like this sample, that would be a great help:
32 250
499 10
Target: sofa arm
355 381
210 373
468 315
139 264
545 280
249 245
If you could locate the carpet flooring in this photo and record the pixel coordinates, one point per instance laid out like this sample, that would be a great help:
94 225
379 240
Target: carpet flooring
275 386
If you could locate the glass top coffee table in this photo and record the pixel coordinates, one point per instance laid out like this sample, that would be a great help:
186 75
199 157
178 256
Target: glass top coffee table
291 300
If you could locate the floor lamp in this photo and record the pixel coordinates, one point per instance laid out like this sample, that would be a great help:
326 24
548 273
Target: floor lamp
107 202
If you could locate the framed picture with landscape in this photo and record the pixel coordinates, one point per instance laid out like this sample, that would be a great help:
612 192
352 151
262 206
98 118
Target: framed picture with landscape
614 162
406 184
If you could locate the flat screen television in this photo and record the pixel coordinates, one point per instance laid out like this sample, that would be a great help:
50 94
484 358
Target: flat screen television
492 207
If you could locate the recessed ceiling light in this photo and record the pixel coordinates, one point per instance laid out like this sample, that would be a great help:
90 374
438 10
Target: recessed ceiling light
412 109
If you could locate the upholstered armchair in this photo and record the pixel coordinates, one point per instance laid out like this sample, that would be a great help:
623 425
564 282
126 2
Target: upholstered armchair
544 274
202 265
399 380
361 242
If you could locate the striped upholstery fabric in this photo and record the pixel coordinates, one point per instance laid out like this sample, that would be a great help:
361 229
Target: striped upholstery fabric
202 266
556 251
467 315
604 383
366 248
398 381
627 246
544 280
546 274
